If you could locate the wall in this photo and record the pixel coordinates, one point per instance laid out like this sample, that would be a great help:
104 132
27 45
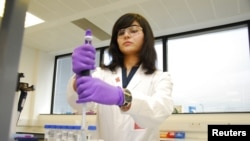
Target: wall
37 67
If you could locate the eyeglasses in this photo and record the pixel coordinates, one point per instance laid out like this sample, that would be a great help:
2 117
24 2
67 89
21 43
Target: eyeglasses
131 30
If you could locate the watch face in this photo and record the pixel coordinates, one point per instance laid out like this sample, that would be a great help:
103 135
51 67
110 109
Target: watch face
128 96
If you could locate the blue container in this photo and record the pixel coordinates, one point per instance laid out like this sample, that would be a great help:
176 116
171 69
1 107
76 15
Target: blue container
180 134
26 139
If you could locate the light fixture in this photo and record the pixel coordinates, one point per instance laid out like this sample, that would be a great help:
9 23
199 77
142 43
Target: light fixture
30 19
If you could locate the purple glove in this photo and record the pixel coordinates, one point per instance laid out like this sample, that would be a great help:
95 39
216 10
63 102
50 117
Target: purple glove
93 89
83 58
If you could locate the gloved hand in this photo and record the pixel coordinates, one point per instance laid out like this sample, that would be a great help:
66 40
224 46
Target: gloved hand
93 89
83 58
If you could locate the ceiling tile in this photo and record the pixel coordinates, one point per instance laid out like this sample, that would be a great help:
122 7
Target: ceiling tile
223 11
158 14
179 11
244 6
202 10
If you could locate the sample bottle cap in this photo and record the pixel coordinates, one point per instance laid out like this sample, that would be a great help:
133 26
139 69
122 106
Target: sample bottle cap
91 127
88 34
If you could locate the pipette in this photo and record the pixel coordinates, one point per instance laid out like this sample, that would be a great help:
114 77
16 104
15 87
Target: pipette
88 40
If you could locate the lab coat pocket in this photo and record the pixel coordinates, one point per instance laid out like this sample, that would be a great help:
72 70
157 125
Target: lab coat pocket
138 134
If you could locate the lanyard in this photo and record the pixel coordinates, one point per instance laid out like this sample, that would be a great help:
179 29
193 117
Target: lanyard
125 79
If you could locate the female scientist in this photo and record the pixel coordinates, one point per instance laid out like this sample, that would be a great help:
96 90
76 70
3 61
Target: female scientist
133 97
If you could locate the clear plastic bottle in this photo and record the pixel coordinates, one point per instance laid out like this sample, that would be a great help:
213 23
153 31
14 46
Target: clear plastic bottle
71 133
92 133
47 129
78 133
58 133
64 133
52 133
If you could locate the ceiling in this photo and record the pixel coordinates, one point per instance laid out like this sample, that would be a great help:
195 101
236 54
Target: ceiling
59 34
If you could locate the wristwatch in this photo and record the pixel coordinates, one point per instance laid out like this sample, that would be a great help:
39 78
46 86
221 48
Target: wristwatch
127 100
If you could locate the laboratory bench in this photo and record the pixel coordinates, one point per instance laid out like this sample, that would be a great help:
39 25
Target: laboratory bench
36 126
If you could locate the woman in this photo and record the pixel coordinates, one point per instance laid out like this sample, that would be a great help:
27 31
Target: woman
133 97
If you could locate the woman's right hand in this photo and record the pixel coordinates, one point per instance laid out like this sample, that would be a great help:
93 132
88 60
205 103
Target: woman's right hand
83 58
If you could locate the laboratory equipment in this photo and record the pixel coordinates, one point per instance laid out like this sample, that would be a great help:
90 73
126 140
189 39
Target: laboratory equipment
23 88
92 133
88 40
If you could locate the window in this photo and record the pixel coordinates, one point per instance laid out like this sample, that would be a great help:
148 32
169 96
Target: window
211 71
63 72
159 52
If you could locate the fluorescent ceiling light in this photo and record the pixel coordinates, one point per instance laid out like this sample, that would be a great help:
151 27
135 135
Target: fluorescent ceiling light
30 19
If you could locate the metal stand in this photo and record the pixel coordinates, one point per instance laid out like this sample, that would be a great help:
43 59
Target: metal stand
24 88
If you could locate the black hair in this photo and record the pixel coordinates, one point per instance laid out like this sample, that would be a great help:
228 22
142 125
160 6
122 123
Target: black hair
147 55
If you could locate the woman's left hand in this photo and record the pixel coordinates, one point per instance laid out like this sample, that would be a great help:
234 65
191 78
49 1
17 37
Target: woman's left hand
91 89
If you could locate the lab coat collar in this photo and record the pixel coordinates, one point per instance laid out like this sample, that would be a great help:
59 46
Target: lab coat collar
133 82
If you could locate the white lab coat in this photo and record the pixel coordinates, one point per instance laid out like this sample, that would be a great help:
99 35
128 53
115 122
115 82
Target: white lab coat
151 105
